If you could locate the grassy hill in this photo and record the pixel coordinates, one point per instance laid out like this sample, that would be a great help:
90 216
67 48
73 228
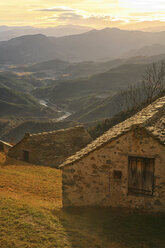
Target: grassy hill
12 81
16 103
16 98
31 215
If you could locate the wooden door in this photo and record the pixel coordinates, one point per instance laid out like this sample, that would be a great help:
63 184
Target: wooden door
26 156
141 175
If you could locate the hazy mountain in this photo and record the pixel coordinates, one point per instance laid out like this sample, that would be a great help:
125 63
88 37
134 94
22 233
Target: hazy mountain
7 33
93 45
105 44
58 69
154 29
26 49
52 68
155 49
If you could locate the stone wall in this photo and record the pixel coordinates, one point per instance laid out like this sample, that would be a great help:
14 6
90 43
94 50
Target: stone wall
90 181
51 148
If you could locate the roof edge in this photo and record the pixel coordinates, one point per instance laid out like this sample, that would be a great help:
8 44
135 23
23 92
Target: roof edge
132 128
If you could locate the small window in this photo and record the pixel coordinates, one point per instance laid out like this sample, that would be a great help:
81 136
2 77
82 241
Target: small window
26 156
140 175
117 174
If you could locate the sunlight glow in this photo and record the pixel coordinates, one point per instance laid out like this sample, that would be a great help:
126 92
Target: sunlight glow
94 13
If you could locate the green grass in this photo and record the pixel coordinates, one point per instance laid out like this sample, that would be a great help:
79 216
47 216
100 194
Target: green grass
25 226
31 215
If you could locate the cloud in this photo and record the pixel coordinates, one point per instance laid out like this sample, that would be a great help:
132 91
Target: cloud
69 16
57 9
63 15
149 16
143 5
84 19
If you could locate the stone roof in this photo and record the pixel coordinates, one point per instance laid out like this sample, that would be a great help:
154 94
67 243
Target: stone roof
152 118
54 147
57 133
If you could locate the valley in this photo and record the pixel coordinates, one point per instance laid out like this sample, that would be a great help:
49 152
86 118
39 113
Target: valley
43 84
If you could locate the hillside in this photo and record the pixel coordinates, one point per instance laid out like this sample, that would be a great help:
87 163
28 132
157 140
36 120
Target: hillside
56 65
86 97
58 69
27 49
152 50
20 83
110 80
15 103
31 215
16 99
108 43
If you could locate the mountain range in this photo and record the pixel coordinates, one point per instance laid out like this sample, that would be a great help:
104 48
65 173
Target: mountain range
152 50
7 32
106 44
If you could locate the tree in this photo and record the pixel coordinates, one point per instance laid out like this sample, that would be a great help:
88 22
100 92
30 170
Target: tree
153 81
131 98
151 87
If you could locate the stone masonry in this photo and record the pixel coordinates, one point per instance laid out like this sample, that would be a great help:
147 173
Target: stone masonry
50 148
89 176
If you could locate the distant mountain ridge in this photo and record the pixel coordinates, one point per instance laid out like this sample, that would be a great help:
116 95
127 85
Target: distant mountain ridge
59 69
27 49
147 51
93 45
7 32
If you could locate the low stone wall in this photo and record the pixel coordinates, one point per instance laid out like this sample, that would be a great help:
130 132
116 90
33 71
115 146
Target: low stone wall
91 181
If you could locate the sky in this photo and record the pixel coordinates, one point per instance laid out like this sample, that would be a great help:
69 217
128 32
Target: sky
130 14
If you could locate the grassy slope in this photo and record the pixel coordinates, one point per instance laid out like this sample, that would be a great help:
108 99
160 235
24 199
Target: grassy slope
31 215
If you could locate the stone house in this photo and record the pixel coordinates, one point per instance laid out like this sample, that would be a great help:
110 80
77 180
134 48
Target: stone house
125 167
50 148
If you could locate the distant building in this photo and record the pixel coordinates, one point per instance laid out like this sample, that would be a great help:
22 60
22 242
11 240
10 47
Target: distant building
125 167
50 148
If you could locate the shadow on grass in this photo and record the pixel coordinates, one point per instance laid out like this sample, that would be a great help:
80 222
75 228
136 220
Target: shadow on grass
96 227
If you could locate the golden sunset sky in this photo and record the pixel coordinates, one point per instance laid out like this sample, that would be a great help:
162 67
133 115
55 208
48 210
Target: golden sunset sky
95 13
